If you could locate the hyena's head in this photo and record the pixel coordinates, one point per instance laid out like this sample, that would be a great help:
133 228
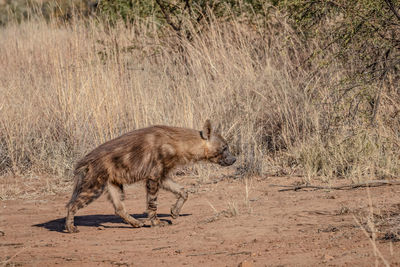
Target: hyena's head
216 150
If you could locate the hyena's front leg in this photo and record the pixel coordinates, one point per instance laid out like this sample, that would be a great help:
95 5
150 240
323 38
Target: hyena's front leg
180 193
152 188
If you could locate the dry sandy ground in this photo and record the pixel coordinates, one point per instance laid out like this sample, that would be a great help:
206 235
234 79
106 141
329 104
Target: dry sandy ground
225 223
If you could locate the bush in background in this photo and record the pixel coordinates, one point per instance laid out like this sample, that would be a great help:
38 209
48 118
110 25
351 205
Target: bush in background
298 88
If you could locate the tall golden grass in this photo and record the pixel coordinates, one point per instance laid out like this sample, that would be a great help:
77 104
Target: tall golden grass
67 88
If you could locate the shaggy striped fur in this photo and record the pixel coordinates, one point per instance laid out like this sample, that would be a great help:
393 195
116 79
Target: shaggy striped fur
146 154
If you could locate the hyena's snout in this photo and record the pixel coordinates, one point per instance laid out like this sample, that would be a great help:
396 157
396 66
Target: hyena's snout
227 159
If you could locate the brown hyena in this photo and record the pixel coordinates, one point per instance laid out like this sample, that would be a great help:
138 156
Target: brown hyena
146 154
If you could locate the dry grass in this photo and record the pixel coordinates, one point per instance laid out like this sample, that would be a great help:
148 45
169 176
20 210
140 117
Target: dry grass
68 88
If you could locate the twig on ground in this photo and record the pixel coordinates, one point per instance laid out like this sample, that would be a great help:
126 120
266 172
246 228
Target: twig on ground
5 263
373 183
207 253
220 252
160 248
239 253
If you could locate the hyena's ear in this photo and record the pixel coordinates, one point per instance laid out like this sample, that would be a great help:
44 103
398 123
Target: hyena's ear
206 133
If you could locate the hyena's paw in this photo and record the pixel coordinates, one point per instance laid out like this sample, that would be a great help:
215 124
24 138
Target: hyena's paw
174 212
71 229
158 223
136 223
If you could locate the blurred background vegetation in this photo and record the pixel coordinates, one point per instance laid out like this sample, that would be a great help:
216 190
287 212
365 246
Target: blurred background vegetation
317 93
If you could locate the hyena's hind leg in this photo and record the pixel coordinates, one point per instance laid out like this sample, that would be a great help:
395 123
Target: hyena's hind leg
122 191
116 195
81 197
181 194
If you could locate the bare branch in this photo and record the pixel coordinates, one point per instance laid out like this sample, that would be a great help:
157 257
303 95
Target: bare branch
167 17
393 8
373 183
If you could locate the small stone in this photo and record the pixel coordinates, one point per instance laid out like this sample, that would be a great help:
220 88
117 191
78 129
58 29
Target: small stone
246 264
327 257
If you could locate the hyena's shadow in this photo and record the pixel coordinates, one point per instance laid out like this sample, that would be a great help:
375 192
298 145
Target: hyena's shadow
58 225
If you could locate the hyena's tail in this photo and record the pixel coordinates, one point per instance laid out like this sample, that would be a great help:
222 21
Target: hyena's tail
79 175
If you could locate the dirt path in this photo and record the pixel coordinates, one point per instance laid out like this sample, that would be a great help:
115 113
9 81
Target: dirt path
219 226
